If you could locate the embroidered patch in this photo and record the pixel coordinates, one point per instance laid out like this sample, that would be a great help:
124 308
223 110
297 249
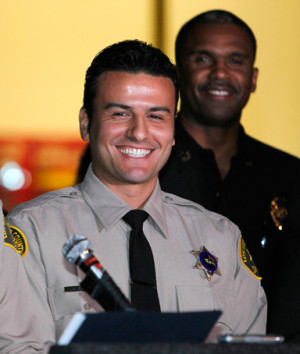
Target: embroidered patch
14 238
247 259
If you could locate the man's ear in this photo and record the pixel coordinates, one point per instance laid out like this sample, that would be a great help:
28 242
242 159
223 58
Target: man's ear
84 124
254 79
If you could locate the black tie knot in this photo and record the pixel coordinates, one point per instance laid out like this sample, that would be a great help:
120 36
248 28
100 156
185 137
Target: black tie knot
135 218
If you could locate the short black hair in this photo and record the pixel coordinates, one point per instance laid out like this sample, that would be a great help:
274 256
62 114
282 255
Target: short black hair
214 16
132 56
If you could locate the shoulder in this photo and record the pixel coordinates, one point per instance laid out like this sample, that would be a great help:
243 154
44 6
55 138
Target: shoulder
38 216
59 197
194 210
263 151
170 199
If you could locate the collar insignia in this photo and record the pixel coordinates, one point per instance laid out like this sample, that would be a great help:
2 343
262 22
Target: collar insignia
185 156
207 262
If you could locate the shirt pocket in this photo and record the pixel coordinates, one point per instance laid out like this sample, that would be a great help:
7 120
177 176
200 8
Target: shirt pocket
196 298
63 306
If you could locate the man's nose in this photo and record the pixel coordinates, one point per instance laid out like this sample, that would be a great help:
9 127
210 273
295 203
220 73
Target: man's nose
219 70
138 129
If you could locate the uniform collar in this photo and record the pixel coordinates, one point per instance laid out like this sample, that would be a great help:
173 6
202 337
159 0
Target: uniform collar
109 208
156 209
186 142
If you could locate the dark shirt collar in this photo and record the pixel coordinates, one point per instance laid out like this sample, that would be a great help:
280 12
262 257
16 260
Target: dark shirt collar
186 142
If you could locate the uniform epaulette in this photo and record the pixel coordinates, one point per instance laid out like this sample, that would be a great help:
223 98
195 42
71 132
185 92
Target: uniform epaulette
69 192
170 198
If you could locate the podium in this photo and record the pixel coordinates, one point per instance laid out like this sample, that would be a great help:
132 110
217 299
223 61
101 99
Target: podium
175 348
139 327
154 333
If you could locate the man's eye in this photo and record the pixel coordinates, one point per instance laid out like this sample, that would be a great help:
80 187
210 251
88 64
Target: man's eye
236 61
201 59
155 116
119 114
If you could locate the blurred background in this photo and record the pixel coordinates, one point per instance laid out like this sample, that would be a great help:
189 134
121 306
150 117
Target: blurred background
47 45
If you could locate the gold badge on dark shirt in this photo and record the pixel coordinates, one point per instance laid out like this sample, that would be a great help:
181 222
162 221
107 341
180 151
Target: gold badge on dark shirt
207 262
278 211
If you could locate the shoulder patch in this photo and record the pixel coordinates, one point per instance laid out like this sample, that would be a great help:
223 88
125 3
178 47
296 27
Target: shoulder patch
14 238
247 259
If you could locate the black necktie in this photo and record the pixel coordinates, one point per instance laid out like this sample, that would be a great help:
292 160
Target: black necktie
141 264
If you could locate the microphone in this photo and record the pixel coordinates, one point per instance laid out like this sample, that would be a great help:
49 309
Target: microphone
98 283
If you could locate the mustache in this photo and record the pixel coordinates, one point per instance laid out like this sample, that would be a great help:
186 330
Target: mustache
220 83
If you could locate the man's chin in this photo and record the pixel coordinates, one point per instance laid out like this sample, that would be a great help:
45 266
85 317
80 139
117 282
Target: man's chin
220 121
139 179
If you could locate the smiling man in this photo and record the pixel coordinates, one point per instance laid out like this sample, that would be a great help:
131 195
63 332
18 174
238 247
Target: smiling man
132 131
216 74
190 259
214 162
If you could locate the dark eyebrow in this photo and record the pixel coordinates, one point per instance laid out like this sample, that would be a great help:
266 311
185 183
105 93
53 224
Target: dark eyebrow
200 51
239 54
207 52
162 108
119 105
124 106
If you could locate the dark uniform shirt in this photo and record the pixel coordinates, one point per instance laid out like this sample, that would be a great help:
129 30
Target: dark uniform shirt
284 301
258 175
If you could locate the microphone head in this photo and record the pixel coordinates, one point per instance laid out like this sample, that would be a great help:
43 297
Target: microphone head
74 247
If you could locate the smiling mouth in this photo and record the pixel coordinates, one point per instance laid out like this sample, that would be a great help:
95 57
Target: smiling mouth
133 152
220 93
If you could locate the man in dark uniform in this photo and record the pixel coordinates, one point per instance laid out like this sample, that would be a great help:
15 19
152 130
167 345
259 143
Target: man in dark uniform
214 162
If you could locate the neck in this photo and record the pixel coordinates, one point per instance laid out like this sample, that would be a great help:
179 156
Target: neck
221 140
135 195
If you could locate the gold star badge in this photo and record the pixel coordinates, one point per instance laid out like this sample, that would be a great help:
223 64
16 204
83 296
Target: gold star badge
207 262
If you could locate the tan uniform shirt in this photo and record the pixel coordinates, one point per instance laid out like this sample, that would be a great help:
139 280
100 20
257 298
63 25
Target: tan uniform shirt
20 327
175 228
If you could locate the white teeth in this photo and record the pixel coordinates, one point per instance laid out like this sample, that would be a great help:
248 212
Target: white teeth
219 93
133 152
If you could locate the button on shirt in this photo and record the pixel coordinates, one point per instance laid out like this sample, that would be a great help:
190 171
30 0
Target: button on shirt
174 228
